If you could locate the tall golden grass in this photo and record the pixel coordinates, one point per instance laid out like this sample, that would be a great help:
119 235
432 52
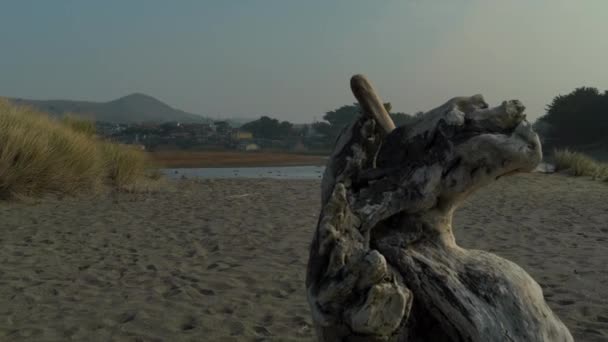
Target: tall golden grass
580 164
79 125
41 155
124 165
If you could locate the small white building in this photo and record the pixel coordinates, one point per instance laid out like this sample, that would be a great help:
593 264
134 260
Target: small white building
252 147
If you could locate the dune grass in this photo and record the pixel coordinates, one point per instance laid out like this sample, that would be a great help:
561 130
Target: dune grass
580 164
79 125
40 155
124 164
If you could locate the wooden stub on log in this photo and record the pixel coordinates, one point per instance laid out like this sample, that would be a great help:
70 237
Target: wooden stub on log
370 102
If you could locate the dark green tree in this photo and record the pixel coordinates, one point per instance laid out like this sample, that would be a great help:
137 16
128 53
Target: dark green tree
322 128
268 128
336 120
576 119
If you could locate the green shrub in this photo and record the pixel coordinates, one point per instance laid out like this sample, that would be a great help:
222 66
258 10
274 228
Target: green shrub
579 164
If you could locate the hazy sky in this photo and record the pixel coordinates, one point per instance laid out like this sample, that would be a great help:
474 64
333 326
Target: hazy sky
293 59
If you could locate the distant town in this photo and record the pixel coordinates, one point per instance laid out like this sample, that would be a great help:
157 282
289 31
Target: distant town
218 135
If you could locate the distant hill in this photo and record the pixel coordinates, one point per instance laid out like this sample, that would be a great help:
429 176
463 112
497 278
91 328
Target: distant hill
132 108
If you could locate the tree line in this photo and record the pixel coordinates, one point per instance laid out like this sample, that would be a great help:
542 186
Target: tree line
326 131
577 119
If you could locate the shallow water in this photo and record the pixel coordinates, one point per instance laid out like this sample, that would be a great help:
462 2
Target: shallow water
277 172
274 172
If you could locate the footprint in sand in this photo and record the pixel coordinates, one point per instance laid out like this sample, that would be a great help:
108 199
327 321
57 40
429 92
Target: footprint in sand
268 319
280 294
227 310
126 317
260 330
247 280
206 292
602 319
215 248
236 328
190 324
594 332
565 302
172 292
559 290
219 266
303 326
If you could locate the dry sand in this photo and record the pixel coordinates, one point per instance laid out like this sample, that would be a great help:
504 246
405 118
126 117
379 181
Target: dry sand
187 159
225 260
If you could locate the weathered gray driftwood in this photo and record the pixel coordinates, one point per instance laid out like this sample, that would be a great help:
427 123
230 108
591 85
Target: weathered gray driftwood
384 265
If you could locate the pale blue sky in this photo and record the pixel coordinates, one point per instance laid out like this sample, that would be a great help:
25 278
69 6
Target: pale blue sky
293 59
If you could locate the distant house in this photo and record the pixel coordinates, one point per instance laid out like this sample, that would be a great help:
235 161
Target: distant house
107 129
222 127
248 146
199 130
182 134
148 125
252 147
300 147
242 135
311 132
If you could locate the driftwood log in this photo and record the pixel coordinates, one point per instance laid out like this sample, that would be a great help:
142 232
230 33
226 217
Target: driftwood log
384 264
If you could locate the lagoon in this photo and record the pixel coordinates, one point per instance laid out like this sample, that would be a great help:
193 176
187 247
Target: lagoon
273 172
276 172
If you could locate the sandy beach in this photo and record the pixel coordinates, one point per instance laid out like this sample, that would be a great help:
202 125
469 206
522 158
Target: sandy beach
225 260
